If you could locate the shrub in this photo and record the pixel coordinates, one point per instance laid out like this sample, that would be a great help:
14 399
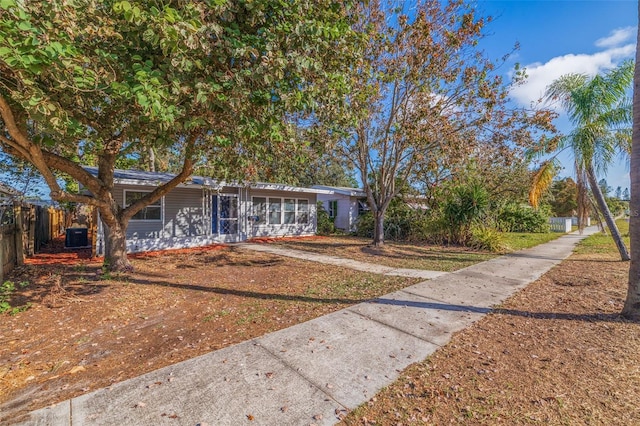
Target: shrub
485 238
364 225
326 225
518 218
400 223
464 208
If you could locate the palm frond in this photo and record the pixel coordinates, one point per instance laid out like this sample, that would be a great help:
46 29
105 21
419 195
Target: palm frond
542 179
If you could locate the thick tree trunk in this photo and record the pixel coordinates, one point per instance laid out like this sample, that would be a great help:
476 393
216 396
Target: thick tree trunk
115 247
632 303
378 229
606 213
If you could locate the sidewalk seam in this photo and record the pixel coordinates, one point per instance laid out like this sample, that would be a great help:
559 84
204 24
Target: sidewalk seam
299 374
392 327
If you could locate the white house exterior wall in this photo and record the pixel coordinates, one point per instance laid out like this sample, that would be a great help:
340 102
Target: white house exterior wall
186 219
183 213
347 213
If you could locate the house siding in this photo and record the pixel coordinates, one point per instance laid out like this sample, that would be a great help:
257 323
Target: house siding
347 214
187 215
183 213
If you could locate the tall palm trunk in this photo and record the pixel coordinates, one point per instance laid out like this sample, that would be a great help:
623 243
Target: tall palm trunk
606 213
632 303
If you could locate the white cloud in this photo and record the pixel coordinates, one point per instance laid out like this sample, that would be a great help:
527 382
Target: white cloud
617 37
540 75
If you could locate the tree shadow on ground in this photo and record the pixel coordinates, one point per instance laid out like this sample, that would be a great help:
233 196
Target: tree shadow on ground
589 317
249 294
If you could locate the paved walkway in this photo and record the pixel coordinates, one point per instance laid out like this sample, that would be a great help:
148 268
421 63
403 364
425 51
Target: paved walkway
313 372
340 261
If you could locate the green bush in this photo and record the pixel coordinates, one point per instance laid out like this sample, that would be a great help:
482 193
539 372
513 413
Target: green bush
485 238
466 206
401 223
326 225
518 218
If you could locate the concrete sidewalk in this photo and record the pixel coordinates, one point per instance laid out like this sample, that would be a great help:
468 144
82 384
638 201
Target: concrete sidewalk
340 261
314 372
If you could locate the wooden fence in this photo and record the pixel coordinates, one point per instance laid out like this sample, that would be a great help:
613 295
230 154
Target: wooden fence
24 228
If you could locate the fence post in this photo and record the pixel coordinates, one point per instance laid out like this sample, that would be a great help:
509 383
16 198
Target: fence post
32 231
1 255
19 235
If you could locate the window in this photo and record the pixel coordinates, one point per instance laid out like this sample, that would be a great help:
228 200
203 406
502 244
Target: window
275 211
259 210
333 208
151 212
289 211
303 211
363 207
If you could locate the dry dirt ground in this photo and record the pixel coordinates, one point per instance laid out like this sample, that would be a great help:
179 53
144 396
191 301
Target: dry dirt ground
86 330
556 353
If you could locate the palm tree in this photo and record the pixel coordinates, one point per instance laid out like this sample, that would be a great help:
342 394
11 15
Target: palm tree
601 113
632 303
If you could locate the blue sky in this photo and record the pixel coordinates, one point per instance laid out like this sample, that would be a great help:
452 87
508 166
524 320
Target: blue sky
560 37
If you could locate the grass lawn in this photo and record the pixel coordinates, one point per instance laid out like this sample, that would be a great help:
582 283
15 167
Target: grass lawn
521 240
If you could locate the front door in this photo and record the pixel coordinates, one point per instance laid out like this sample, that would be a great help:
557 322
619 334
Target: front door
229 214
224 209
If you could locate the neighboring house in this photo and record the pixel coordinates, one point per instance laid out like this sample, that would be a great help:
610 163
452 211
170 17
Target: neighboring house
344 205
7 197
203 211
7 193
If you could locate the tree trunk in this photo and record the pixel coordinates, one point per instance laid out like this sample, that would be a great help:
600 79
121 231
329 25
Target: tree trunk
115 247
632 303
606 213
378 229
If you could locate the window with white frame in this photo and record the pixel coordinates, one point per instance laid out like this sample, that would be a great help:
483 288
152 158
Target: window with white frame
152 212
289 211
277 211
259 210
303 211
332 208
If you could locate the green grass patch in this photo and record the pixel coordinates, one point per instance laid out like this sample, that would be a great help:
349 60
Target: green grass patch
521 240
600 243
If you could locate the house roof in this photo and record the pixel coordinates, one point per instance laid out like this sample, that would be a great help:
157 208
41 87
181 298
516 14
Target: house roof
139 177
351 192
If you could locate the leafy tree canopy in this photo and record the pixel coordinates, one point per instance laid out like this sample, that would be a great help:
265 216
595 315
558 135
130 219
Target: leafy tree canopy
212 82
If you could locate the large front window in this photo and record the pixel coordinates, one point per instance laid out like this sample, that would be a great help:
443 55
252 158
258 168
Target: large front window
152 212
278 211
